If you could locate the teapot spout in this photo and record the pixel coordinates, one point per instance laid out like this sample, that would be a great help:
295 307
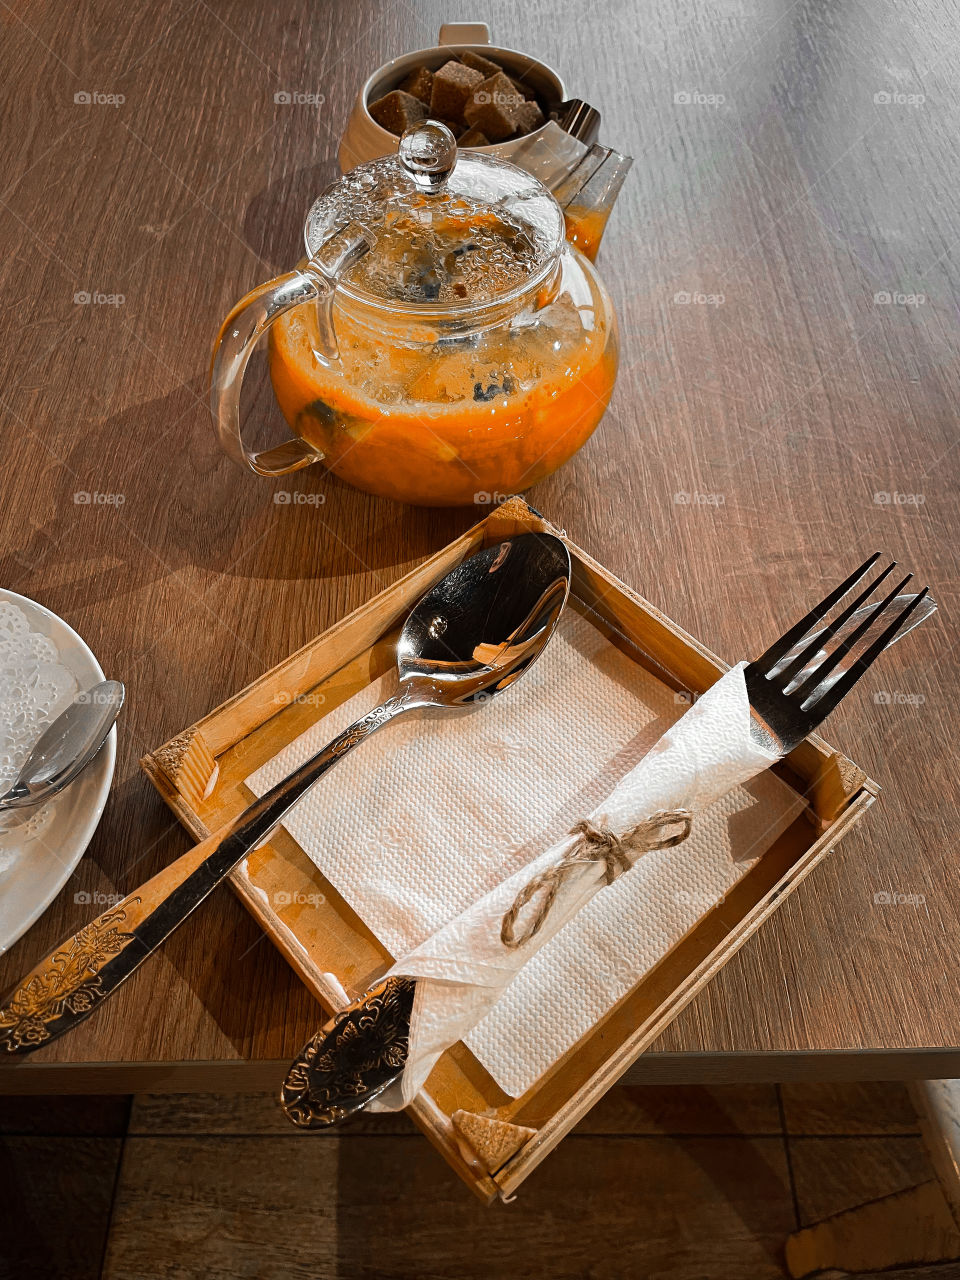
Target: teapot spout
587 196
585 180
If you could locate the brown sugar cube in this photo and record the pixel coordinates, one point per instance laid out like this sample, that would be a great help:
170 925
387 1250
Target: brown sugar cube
492 105
473 138
527 117
477 63
398 111
419 83
456 127
491 119
452 86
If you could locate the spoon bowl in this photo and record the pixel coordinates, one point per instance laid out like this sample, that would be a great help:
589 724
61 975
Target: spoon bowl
477 630
66 746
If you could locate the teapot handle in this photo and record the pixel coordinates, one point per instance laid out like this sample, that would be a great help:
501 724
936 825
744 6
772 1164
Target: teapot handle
315 281
464 33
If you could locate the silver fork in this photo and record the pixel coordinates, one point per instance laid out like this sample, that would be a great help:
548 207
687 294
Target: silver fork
362 1050
785 709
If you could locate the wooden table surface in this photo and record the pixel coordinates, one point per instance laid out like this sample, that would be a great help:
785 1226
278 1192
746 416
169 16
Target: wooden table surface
782 263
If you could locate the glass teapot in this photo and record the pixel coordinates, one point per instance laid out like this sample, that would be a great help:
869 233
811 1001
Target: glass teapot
444 341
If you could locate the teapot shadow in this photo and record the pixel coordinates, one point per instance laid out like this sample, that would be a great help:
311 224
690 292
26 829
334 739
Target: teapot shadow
274 218
201 510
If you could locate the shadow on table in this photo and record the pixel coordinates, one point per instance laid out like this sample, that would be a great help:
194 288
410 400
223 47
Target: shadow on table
274 218
156 470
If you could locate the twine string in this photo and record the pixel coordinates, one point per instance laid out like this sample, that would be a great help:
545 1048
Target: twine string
594 844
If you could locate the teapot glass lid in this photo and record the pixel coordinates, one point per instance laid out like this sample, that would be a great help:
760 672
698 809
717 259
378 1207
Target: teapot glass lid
451 228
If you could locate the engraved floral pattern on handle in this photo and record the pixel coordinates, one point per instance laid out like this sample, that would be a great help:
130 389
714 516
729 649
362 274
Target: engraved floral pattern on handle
69 985
372 720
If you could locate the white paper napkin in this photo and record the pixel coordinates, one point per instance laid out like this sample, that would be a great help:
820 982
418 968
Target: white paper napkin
415 827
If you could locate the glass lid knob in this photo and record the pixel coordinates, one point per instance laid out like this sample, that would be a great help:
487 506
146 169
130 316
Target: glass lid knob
428 152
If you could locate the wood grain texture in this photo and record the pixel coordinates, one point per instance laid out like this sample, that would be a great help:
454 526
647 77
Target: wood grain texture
823 1109
733 1110
832 1175
915 1225
938 1108
373 1208
782 413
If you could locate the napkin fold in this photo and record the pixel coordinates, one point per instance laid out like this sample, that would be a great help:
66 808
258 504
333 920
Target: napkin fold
464 968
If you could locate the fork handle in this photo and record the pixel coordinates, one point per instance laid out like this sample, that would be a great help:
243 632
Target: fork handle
75 978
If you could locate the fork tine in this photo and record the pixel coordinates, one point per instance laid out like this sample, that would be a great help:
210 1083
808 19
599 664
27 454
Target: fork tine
809 651
790 638
832 696
819 674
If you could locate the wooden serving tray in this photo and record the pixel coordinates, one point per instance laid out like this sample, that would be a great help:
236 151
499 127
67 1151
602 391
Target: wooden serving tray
200 774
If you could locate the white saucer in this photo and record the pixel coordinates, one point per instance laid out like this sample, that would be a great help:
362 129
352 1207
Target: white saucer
44 864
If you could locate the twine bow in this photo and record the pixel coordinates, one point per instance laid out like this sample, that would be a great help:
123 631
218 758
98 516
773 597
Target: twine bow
594 844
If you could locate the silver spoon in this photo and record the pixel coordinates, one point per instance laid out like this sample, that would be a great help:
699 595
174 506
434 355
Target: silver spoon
66 746
472 635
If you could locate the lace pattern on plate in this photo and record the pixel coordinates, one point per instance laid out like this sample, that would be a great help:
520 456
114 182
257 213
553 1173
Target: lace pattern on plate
34 688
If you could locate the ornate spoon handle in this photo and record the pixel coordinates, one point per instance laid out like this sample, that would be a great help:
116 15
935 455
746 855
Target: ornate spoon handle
71 982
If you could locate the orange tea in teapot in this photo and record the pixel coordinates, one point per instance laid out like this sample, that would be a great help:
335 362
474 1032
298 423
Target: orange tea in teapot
434 418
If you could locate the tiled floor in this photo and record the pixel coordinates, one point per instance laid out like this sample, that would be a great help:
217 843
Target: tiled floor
656 1183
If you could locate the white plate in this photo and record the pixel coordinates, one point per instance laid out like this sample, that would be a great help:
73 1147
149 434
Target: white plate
44 865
